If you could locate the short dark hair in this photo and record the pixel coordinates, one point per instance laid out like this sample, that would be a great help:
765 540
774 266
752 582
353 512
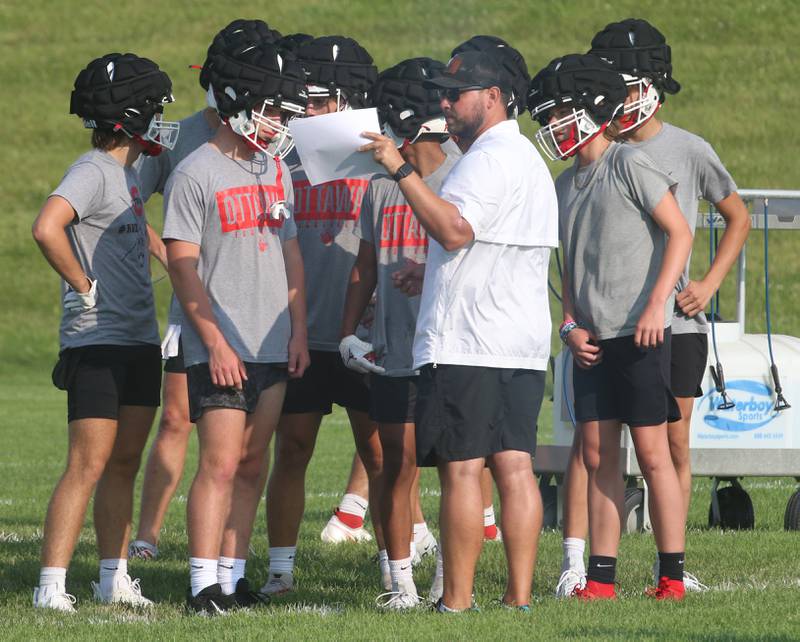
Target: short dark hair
107 139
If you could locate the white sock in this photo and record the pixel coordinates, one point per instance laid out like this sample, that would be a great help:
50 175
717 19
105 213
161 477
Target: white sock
383 561
412 548
110 570
402 576
229 571
420 530
488 516
439 563
202 573
573 554
53 576
281 559
354 505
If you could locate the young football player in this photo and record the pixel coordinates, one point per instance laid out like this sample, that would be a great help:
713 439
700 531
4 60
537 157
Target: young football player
92 230
236 269
625 243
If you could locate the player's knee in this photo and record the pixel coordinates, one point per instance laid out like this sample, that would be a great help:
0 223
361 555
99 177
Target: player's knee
293 452
219 470
174 422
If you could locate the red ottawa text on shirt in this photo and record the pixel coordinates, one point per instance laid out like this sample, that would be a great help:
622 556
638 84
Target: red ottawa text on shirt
338 200
400 228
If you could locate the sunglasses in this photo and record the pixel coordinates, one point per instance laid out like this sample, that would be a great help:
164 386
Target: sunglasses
453 94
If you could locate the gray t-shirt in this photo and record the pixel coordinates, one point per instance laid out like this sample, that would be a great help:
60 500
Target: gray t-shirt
388 223
613 249
692 162
223 205
326 217
155 170
109 239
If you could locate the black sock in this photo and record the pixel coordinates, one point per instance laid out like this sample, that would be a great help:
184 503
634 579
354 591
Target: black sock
671 565
602 569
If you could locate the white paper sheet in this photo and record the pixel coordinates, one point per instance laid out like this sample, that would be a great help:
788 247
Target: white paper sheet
328 144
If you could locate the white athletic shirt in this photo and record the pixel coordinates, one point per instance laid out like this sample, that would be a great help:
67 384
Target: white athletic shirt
486 304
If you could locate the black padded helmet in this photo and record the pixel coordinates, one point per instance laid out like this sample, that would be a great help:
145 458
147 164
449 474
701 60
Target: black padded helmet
120 90
233 36
338 66
406 108
294 41
512 62
244 78
581 80
637 48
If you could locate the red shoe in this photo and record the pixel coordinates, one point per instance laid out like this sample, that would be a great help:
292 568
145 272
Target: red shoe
492 534
595 591
667 589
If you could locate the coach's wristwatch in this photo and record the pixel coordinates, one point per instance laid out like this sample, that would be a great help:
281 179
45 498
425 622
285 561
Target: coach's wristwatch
405 170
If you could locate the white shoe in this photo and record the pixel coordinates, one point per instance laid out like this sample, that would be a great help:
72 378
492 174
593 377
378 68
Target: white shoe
424 547
49 597
398 600
386 576
336 531
125 591
143 550
498 535
278 584
569 580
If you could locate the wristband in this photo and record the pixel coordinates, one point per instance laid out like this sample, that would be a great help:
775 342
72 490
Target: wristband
565 329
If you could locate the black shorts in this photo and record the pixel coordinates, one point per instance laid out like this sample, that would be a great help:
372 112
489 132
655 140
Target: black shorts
174 364
99 379
326 382
688 364
204 394
466 412
630 384
392 399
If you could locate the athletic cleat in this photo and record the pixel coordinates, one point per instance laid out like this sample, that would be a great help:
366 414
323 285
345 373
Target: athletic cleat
398 601
568 581
210 601
439 607
336 532
492 533
424 547
246 597
49 597
125 591
524 608
690 582
278 584
595 591
667 589
143 550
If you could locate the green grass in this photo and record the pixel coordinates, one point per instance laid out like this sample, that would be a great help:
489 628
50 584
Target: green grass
736 62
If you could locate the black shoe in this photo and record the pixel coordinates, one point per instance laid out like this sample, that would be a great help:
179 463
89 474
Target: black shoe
246 597
210 600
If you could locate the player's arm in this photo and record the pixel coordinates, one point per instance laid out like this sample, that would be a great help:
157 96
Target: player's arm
667 215
440 218
227 369
295 279
49 232
581 342
156 246
696 295
363 279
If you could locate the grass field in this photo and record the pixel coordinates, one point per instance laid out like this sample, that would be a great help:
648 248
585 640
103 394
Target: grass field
736 62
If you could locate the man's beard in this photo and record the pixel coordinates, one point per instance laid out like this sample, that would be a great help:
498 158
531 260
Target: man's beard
466 128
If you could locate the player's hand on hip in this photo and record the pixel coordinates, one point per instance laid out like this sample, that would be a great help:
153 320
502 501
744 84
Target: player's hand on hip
227 369
409 278
650 327
584 348
299 358
384 151
81 301
358 355
694 298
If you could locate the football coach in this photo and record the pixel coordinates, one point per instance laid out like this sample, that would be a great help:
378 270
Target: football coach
482 339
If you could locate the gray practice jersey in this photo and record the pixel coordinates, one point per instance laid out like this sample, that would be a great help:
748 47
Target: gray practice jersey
692 162
109 239
155 170
223 205
388 223
326 217
613 249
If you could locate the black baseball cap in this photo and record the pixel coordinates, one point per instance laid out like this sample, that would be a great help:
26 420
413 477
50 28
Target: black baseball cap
472 69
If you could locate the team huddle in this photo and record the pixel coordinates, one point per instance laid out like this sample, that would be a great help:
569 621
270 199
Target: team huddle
417 300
